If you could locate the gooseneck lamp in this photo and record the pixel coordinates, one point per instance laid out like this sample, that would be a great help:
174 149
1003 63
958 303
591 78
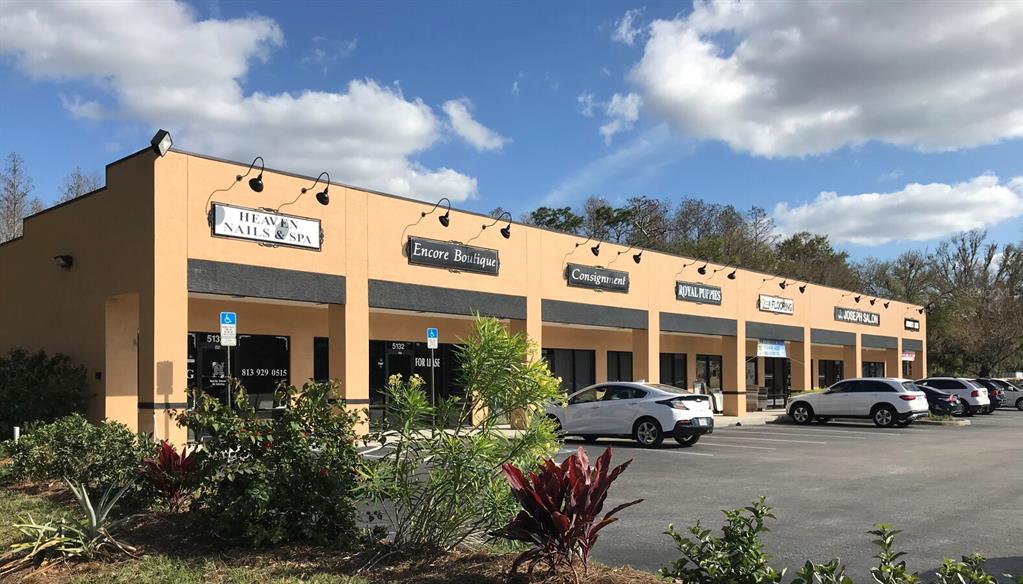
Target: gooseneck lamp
255 183
322 197
444 219
505 231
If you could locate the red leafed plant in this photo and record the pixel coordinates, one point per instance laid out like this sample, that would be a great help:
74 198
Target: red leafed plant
560 505
171 473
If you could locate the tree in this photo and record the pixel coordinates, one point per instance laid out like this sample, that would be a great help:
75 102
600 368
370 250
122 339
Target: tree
15 197
811 258
78 183
556 218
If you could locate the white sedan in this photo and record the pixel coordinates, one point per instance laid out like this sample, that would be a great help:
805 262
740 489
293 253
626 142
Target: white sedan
888 401
646 412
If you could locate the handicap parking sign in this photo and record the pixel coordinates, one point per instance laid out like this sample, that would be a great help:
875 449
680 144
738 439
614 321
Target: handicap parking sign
228 318
431 338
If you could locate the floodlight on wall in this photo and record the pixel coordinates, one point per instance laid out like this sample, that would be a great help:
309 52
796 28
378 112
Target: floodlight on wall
595 250
872 301
505 231
322 197
636 257
161 142
886 304
64 261
783 284
731 275
256 183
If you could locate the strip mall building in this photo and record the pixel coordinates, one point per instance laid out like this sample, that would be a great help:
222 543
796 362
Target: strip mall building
130 280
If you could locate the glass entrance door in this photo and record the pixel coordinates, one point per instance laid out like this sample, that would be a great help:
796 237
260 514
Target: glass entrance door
777 380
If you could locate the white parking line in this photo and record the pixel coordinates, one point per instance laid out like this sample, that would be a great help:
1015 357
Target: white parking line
702 443
844 431
807 433
719 437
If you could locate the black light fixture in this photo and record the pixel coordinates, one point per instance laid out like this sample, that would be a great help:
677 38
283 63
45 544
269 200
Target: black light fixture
731 275
64 261
857 298
783 284
444 219
637 257
505 231
595 250
161 142
322 197
702 269
886 304
872 301
256 183
920 310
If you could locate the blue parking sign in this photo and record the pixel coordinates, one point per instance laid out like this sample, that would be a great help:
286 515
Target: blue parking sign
228 318
431 333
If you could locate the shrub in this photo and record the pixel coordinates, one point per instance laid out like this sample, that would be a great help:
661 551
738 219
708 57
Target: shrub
737 557
268 481
35 387
96 455
441 486
560 505
172 475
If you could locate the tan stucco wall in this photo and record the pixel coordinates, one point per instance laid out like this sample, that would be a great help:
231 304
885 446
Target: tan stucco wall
136 237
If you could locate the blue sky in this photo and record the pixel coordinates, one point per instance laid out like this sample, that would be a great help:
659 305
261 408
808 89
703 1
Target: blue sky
735 116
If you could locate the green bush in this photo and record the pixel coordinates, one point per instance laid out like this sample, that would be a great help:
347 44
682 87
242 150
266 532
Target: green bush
35 387
269 481
441 486
96 455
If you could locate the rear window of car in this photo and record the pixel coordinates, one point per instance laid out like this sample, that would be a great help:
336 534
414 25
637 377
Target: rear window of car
668 388
910 386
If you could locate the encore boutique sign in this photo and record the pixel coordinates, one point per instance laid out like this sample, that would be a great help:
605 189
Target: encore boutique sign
777 304
700 293
265 227
597 278
857 316
452 256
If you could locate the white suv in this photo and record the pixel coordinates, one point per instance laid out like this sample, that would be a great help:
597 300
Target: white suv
973 397
888 401
646 412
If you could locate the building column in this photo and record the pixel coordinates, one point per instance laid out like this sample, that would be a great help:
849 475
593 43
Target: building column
353 317
852 359
802 375
733 365
121 360
921 360
690 366
893 360
646 350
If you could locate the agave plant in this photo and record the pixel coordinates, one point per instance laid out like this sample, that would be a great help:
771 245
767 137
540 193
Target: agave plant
62 540
171 474
560 508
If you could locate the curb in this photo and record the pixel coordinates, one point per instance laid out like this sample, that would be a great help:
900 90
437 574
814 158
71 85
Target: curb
942 422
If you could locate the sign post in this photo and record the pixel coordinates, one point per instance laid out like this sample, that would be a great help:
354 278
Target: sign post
228 339
432 335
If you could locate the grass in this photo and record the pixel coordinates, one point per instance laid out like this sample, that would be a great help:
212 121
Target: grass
939 417
15 505
163 569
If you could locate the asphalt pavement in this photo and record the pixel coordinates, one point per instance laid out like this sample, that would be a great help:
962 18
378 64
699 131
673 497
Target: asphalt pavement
952 490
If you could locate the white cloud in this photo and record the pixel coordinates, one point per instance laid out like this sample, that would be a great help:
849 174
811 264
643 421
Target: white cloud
325 52
621 113
586 103
625 30
515 88
918 212
892 175
796 79
476 134
166 68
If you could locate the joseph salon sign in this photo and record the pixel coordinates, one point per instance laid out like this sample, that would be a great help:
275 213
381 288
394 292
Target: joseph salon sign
857 316
265 227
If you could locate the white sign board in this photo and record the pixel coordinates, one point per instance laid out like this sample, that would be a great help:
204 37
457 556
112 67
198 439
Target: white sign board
777 304
228 329
909 355
771 349
432 335
265 227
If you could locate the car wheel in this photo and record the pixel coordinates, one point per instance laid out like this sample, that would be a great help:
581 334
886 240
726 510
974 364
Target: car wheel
966 409
590 439
801 413
988 410
558 430
1019 404
687 440
823 419
647 431
883 416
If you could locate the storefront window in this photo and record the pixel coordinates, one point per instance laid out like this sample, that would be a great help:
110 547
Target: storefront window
673 370
873 368
708 371
619 366
321 359
575 367
261 363
829 372
907 369
751 372
407 358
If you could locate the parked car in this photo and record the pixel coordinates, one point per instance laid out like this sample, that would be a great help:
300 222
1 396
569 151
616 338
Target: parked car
973 397
994 393
942 403
646 412
888 401
1013 393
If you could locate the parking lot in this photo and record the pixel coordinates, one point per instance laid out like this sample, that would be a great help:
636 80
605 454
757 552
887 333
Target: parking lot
952 490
